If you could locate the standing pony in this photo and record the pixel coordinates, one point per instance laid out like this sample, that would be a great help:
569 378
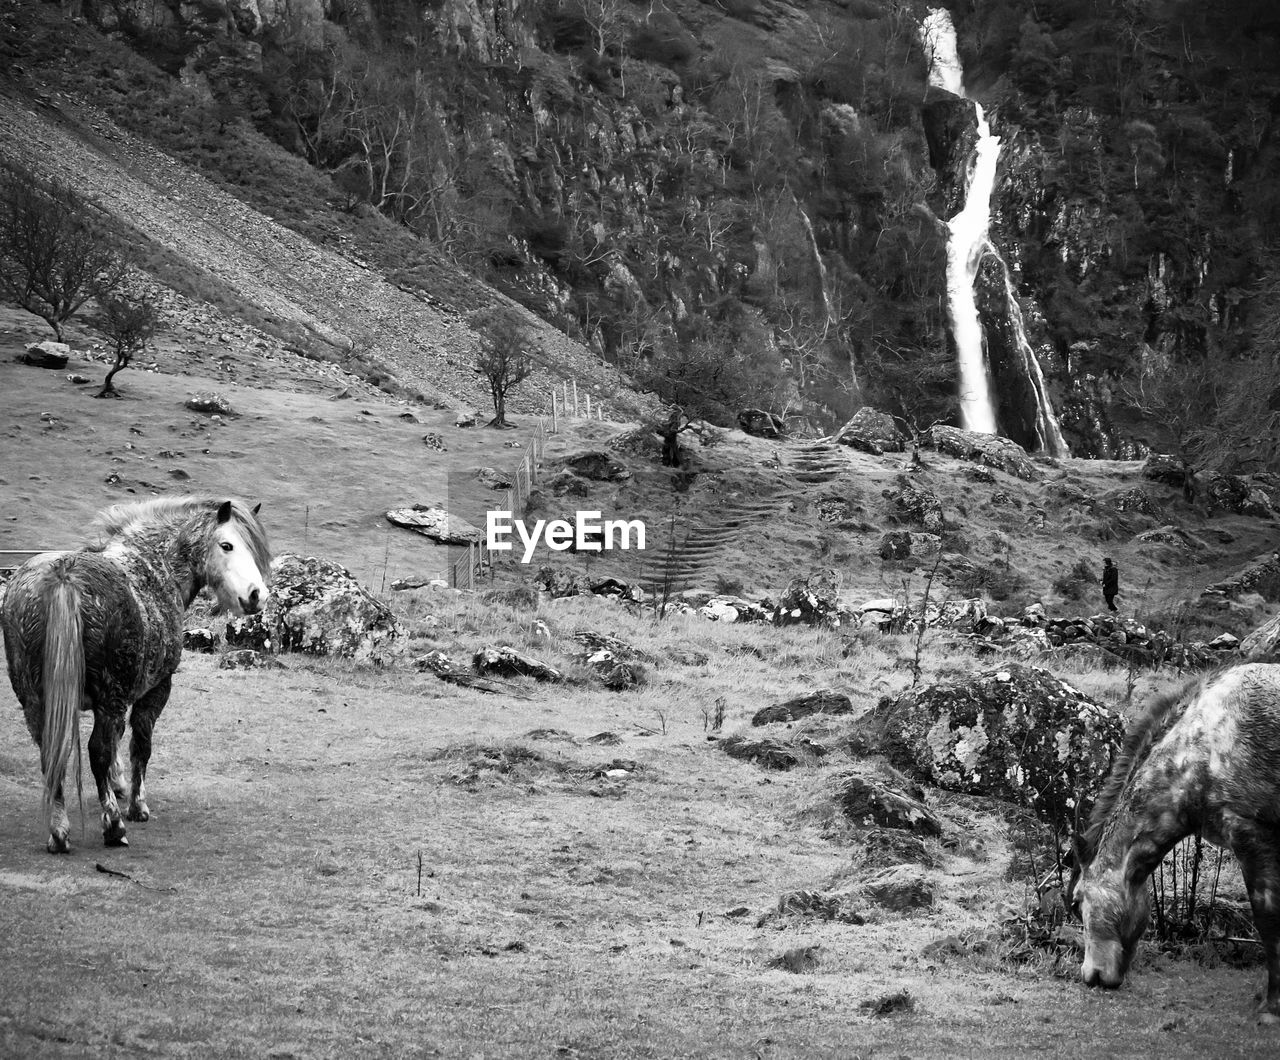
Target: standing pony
100 629
1203 759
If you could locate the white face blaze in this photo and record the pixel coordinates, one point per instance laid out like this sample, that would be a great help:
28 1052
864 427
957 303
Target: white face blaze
233 574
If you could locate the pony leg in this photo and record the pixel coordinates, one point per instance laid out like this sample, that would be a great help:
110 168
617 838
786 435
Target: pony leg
142 721
59 825
1258 851
102 756
115 773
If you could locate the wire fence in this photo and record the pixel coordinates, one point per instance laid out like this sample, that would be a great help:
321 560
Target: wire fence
568 404
462 572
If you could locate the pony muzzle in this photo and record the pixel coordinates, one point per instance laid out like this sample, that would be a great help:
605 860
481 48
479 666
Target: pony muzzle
252 603
1108 974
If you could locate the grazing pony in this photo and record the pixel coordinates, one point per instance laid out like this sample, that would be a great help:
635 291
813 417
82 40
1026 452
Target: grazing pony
100 629
1206 759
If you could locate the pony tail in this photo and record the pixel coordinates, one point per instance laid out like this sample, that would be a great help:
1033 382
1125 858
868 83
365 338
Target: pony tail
63 690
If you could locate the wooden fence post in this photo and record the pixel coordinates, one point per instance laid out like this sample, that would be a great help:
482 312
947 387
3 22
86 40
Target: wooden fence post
575 399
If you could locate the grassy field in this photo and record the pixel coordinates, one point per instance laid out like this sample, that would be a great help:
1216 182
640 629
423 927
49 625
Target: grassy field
347 861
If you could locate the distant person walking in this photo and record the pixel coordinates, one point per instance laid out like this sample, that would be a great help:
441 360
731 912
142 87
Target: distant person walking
1110 582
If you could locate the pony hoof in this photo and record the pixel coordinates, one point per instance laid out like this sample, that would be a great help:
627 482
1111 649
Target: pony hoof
58 844
1268 1019
113 835
139 812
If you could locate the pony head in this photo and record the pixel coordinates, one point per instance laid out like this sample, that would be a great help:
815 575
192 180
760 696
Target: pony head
237 562
1113 906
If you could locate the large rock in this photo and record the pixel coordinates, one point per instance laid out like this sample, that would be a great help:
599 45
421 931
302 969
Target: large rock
1017 733
596 465
1235 493
46 355
988 449
872 431
492 478
1161 467
436 523
316 607
729 609
813 600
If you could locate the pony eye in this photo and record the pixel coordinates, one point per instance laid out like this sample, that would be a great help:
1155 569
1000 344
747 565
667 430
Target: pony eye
227 546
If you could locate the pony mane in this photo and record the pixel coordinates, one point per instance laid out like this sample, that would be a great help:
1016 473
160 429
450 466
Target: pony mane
1141 736
121 519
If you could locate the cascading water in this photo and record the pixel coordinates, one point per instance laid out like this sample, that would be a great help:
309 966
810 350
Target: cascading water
968 242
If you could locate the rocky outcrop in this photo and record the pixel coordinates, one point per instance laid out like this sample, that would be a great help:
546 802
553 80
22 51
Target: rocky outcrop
988 449
1262 577
316 607
200 639
1016 732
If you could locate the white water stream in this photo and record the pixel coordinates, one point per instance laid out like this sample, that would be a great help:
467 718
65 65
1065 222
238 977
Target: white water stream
968 241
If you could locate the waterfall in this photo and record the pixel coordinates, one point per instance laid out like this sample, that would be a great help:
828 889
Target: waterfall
968 242
820 267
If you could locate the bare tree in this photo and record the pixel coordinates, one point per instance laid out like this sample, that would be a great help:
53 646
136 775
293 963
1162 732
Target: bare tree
53 257
129 323
504 358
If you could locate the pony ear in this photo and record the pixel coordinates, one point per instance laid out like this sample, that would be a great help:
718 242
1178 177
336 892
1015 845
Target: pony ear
257 508
224 512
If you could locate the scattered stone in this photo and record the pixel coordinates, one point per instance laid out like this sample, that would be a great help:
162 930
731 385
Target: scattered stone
902 889
767 752
888 1004
867 800
913 503
201 639
908 544
824 701
434 441
687 656
798 959
1161 467
77 378
565 483
872 431
596 465
436 523
731 609
604 641
492 478
605 739
420 581
48 354
989 449
561 581
466 419
210 402
247 659
1135 499
886 847
616 674
811 600
761 424
508 662
316 607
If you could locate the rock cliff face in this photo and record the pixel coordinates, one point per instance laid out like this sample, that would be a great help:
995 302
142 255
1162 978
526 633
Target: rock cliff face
761 176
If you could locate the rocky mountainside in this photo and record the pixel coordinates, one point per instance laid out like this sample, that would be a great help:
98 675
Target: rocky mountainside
743 204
